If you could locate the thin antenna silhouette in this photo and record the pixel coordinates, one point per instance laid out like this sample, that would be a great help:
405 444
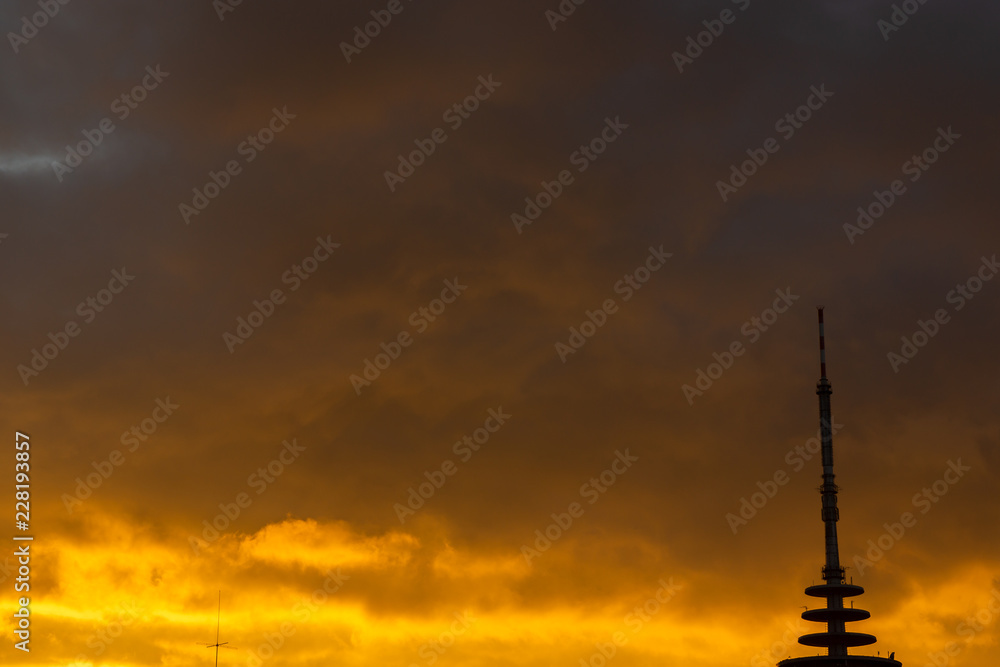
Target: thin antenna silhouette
218 623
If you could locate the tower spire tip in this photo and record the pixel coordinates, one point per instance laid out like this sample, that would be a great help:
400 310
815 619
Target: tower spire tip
822 345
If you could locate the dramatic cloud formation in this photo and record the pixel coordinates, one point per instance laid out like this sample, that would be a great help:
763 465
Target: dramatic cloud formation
484 333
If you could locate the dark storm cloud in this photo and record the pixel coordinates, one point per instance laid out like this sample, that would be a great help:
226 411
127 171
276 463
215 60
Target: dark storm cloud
322 179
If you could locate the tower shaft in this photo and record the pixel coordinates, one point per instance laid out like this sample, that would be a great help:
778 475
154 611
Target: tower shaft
833 573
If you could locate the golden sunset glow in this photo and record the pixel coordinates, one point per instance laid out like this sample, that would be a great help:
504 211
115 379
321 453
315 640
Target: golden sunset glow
399 333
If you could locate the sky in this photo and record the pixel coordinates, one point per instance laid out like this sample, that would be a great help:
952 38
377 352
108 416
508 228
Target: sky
476 334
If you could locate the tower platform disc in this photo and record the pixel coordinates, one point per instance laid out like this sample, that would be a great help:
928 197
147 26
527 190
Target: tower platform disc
840 661
847 615
834 590
828 639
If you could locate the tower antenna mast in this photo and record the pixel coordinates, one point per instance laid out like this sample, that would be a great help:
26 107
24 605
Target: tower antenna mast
218 623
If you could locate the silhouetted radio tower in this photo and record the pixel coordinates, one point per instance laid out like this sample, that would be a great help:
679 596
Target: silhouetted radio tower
836 639
216 645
